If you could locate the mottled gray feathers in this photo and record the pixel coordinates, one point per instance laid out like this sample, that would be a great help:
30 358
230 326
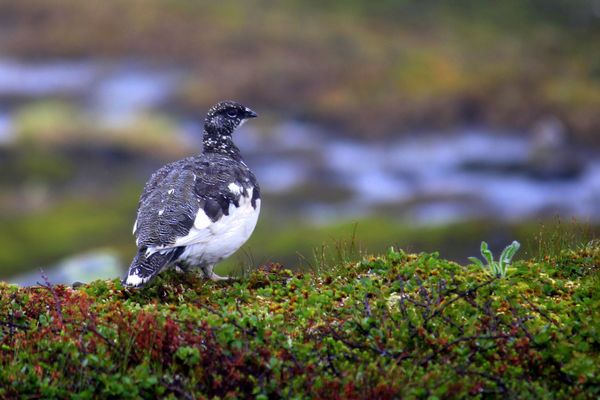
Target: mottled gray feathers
181 188
149 266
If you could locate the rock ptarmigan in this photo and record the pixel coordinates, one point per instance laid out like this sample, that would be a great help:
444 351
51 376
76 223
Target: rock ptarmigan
197 211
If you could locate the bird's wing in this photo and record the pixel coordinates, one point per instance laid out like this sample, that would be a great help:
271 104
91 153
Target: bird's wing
182 200
154 181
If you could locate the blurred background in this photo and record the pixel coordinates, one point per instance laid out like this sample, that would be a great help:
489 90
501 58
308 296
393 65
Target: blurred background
427 125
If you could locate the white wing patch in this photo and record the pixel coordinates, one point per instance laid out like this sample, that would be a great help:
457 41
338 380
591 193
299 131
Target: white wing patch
198 232
209 242
135 280
134 226
202 221
235 188
222 238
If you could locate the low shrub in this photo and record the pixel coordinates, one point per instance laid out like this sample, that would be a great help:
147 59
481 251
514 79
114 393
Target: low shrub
394 326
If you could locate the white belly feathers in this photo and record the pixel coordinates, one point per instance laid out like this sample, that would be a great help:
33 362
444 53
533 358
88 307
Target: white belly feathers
209 242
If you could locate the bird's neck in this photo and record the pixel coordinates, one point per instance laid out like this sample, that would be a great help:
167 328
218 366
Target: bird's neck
215 142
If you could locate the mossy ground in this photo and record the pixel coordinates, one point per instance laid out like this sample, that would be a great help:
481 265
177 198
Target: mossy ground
397 325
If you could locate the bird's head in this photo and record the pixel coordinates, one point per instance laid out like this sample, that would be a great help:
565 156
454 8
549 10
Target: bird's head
224 117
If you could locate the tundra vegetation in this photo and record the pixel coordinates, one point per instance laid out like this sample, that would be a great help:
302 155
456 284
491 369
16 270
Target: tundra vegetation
394 325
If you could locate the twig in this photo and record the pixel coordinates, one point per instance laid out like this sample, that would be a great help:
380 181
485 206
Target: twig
462 339
396 355
503 389
537 309
57 302
11 324
460 295
330 363
176 389
251 332
367 306
93 329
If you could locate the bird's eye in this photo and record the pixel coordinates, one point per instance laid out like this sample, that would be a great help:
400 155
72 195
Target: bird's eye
232 113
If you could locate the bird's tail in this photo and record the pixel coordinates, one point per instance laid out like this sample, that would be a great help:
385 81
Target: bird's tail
143 268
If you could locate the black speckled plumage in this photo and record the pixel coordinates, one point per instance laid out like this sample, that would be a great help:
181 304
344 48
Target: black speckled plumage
198 182
175 195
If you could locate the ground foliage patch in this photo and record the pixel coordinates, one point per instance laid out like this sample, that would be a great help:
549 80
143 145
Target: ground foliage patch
393 326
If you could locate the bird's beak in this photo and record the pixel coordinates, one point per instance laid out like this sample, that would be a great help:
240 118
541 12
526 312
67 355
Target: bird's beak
250 114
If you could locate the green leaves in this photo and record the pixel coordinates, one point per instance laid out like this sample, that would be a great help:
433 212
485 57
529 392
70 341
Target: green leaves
190 356
486 253
477 262
394 326
508 253
496 268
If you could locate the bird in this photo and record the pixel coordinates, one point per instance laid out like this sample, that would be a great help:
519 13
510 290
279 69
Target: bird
197 211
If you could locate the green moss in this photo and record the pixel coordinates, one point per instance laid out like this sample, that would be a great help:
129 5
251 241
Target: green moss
397 325
50 123
72 226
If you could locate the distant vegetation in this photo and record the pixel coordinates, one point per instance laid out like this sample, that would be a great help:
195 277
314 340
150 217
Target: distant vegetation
101 214
367 68
397 325
363 68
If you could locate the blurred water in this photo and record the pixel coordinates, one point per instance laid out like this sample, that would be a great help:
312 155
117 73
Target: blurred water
127 92
442 177
85 268
279 175
18 78
427 177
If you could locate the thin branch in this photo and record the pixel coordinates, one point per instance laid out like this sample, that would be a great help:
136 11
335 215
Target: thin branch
11 324
176 389
233 322
460 295
367 306
57 302
461 339
537 309
498 381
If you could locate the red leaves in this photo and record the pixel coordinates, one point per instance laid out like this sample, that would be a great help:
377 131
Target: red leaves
477 388
151 337
156 339
522 343
335 390
171 340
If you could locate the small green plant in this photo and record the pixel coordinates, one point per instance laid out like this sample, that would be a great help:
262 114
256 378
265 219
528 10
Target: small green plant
497 268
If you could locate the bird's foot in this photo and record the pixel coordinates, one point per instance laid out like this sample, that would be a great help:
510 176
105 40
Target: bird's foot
215 277
179 269
210 274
